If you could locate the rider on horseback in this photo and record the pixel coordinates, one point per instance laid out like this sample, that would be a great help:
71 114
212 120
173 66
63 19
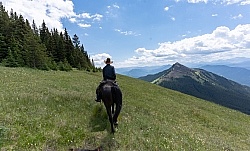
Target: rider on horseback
109 74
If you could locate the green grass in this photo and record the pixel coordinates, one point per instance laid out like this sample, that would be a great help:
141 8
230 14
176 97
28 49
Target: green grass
55 111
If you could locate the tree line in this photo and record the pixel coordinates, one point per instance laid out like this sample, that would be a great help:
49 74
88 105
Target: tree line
25 45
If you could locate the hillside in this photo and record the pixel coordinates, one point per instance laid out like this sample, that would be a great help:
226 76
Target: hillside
55 111
205 85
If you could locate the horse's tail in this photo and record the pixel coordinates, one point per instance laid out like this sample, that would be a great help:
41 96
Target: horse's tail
113 90
107 96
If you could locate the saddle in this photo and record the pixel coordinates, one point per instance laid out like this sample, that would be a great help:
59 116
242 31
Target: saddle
110 82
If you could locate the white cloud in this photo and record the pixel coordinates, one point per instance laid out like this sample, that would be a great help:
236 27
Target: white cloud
88 17
85 15
221 44
197 1
94 17
127 32
227 2
166 8
84 25
214 15
112 10
241 2
172 18
51 11
97 17
99 59
116 6
237 17
246 2
73 20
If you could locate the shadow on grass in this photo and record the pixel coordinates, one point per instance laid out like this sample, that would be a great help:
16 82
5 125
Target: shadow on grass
99 119
99 123
3 131
104 143
109 142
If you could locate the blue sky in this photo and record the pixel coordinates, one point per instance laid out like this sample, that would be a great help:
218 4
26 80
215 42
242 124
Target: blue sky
149 32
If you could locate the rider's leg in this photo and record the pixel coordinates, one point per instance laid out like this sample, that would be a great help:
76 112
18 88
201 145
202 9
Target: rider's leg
98 94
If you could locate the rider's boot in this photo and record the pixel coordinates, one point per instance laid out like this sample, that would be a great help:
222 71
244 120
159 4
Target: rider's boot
98 98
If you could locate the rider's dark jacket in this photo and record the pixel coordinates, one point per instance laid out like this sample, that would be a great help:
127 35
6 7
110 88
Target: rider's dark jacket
108 72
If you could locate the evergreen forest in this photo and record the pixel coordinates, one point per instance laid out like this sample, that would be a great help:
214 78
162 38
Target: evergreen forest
23 44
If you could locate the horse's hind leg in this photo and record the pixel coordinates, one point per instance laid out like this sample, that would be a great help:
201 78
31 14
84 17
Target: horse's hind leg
113 108
117 112
118 106
110 119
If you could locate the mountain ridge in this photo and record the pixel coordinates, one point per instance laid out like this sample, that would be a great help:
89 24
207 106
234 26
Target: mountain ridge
137 72
203 84
238 74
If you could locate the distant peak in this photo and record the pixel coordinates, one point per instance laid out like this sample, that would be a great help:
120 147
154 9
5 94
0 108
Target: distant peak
180 67
177 64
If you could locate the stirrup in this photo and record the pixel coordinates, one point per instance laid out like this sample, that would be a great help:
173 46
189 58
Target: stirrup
98 100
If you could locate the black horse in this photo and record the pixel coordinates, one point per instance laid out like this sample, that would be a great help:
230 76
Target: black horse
112 97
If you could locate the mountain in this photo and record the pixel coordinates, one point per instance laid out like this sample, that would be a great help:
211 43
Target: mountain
237 74
243 63
205 85
136 72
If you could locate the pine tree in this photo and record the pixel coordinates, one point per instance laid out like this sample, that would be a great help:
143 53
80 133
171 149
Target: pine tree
51 47
44 34
4 20
69 48
34 28
61 48
11 61
3 48
4 23
35 52
76 41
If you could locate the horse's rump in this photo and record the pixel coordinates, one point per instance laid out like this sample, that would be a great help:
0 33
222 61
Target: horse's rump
111 89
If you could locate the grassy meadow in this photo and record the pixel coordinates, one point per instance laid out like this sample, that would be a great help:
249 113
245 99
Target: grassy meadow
56 111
